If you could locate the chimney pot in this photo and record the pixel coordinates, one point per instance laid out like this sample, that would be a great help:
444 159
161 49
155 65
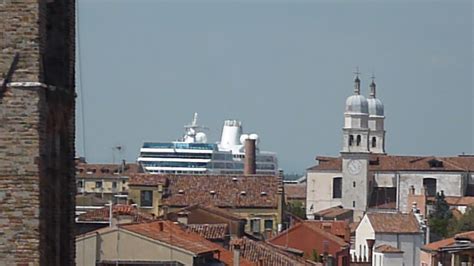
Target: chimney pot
250 166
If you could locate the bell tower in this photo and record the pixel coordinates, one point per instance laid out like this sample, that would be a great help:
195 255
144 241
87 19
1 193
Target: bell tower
37 103
355 153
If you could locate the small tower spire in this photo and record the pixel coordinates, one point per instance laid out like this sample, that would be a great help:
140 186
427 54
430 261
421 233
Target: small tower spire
357 82
372 87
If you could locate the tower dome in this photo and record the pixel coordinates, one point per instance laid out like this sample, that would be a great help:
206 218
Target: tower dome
357 103
375 105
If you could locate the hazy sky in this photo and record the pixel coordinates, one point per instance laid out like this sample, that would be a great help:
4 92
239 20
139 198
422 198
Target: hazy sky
283 68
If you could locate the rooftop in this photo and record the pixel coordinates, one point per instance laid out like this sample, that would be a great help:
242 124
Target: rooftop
393 223
387 249
257 251
102 215
209 231
295 191
173 234
402 163
85 170
333 212
223 191
435 246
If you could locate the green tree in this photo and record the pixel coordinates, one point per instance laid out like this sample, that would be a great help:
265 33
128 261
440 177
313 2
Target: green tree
315 256
464 224
440 218
296 208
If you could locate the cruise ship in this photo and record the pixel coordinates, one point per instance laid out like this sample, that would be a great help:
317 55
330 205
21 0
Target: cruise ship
192 154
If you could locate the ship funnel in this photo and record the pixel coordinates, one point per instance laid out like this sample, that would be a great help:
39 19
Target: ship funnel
231 133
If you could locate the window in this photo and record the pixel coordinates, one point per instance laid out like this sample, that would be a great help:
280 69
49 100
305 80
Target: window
353 184
351 140
114 184
268 224
146 198
358 140
255 225
374 142
337 187
80 184
353 204
430 186
98 184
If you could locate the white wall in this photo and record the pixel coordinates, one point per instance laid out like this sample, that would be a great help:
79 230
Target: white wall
363 232
387 259
450 183
410 244
319 192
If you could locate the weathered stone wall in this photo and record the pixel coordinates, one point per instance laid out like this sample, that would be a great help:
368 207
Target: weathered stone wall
37 185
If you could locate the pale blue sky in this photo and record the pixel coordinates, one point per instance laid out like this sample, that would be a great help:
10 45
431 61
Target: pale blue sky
283 68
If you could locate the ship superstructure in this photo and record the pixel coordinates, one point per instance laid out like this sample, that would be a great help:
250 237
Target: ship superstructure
191 154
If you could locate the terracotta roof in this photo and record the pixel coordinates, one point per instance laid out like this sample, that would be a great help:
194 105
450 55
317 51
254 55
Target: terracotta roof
209 231
465 235
393 223
85 170
214 210
172 234
223 191
434 246
387 249
256 251
340 229
353 226
320 233
333 212
147 180
102 215
295 191
456 201
402 163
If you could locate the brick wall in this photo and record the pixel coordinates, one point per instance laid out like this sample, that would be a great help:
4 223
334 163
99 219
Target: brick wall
37 185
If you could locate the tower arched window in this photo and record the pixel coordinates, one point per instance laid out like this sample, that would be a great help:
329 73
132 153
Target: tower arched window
358 140
351 140
374 142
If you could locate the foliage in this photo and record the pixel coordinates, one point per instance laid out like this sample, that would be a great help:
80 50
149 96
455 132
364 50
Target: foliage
464 224
440 218
296 208
315 256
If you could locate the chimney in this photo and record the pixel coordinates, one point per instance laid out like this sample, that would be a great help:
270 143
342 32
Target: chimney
250 167
370 246
236 255
183 217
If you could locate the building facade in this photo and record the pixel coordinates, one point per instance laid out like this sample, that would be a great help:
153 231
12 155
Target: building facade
364 177
37 106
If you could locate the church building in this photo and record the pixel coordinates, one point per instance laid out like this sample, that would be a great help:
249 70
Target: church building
365 178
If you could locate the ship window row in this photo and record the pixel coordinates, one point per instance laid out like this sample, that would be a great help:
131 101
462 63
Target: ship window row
176 164
192 146
175 155
222 156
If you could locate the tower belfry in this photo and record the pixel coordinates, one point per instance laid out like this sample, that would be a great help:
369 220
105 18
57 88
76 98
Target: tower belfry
376 121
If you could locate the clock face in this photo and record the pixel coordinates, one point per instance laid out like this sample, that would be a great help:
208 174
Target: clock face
354 167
